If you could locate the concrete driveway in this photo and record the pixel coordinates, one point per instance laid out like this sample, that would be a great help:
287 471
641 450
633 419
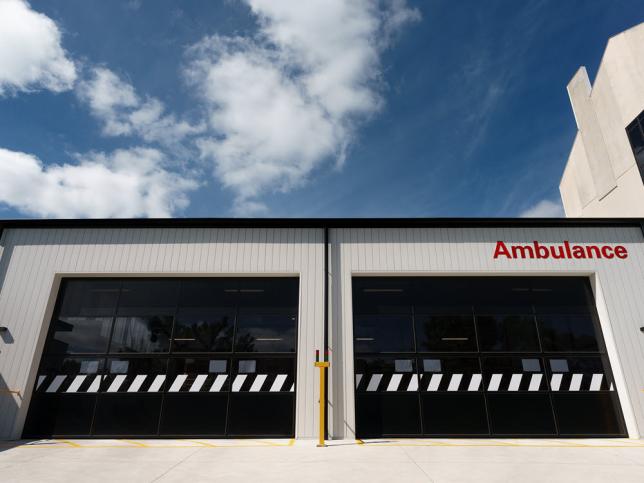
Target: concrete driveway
357 461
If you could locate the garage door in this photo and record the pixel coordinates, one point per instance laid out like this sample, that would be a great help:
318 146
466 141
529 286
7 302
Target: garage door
481 356
169 357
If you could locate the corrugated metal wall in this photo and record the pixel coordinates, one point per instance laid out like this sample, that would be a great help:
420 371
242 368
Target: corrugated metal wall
469 251
33 261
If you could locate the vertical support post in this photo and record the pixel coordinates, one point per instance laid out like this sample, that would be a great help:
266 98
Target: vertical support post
322 366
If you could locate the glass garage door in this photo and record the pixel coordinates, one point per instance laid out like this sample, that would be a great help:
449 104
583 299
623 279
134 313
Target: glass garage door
481 356
169 357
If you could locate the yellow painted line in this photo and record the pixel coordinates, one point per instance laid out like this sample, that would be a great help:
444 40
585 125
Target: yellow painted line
136 443
70 443
291 442
359 441
208 445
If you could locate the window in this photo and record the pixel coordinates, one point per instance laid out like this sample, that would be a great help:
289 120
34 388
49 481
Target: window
567 333
507 333
141 334
445 333
383 333
203 330
80 334
635 133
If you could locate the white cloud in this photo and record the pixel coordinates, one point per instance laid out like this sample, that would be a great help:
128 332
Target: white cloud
31 55
544 209
125 183
287 100
122 112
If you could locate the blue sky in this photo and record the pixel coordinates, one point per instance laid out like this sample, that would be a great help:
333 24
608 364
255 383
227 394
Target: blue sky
324 108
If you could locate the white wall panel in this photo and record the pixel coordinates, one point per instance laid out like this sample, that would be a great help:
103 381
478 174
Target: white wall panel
469 251
33 261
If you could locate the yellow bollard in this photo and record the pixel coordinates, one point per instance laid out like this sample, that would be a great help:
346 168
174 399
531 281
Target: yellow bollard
322 366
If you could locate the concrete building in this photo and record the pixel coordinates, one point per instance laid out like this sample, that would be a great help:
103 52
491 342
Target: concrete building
434 327
604 173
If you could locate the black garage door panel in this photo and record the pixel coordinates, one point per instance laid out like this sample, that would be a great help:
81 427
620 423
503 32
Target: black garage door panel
481 356
169 357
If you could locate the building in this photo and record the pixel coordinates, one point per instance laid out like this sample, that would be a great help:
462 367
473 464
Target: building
434 327
604 172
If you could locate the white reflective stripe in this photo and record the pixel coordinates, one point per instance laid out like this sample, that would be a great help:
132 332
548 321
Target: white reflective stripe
178 382
116 383
575 382
257 383
278 383
413 383
358 379
292 387
136 383
495 382
157 383
515 382
555 382
535 382
475 382
394 382
219 382
95 384
40 381
611 388
56 383
596 382
374 382
237 383
455 382
199 381
434 382
76 383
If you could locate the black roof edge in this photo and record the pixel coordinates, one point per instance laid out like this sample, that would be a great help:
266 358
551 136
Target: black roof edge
319 222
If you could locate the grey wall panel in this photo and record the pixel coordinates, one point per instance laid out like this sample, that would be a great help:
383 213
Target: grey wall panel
33 261
469 251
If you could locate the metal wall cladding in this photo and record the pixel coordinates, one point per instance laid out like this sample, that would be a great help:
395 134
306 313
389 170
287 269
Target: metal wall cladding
34 260
618 286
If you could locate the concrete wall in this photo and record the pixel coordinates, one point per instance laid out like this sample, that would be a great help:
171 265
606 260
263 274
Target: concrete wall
34 260
618 285
601 178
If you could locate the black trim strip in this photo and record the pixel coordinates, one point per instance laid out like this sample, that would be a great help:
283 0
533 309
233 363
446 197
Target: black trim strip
318 222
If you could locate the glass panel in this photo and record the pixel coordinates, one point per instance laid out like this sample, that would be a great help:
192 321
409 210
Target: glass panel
382 414
148 297
135 375
89 298
587 414
190 414
520 414
443 333
60 415
68 374
197 374
375 374
567 333
454 414
451 374
383 333
80 334
265 333
513 374
507 333
127 414
278 294
382 296
141 334
263 414
203 330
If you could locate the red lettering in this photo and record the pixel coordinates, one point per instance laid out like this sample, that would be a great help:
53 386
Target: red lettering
540 250
593 248
621 252
501 249
522 251
607 252
578 252
567 248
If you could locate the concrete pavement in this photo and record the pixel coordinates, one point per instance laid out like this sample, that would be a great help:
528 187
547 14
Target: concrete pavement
357 461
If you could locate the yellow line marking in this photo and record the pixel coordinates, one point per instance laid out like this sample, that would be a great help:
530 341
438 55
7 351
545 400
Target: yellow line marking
70 443
359 441
201 443
136 443
291 442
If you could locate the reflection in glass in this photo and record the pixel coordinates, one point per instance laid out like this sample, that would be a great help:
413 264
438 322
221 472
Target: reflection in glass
203 330
383 333
562 333
141 334
265 333
507 333
80 334
445 333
